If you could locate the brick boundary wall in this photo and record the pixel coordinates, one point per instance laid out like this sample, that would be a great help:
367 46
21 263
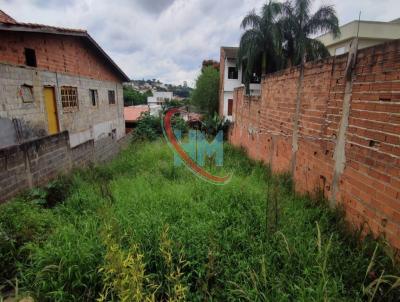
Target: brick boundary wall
34 163
347 139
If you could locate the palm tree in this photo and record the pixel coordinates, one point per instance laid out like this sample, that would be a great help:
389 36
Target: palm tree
298 26
260 43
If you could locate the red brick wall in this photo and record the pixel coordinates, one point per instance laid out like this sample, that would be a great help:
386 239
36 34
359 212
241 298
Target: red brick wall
369 187
58 53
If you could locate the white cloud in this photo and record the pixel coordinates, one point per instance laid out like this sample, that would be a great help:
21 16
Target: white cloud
167 39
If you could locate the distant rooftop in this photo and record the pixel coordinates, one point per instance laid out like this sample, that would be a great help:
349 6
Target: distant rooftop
132 113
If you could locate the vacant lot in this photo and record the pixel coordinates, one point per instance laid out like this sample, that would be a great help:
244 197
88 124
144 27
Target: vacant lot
141 229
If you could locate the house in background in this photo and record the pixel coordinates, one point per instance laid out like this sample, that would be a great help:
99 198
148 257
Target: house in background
55 79
231 77
158 99
132 115
370 33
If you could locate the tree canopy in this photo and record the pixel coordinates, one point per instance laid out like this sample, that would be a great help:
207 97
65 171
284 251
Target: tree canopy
205 95
282 35
133 97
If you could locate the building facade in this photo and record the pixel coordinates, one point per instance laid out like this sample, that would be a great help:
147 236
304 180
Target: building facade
156 101
231 77
369 33
55 79
159 97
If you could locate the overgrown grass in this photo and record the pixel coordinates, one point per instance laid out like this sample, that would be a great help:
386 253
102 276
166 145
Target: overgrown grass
141 229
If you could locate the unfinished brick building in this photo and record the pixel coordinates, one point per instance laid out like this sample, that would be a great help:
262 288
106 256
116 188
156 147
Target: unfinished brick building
55 79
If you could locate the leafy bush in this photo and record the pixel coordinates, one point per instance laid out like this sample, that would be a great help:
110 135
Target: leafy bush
214 123
148 127
51 194
173 103
179 124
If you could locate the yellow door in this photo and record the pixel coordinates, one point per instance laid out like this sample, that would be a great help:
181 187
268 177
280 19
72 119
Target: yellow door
51 109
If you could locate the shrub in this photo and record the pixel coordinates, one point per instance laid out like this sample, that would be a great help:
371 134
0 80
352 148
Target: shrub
52 193
214 123
172 103
179 124
148 127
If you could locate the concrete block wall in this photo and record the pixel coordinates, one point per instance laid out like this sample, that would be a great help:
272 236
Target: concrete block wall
339 135
36 162
32 163
82 154
46 158
105 148
13 174
11 103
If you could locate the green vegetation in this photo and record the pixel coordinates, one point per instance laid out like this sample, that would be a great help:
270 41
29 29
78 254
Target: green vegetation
148 127
141 229
205 95
175 103
283 35
182 91
212 124
133 97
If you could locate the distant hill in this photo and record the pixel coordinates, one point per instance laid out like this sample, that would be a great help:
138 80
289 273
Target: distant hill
144 86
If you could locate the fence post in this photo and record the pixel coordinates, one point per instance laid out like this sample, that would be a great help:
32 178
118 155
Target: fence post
339 155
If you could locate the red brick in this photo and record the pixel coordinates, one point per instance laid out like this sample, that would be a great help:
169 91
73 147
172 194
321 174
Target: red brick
78 58
370 184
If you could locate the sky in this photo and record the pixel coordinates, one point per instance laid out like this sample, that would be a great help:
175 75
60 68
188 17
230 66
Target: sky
169 39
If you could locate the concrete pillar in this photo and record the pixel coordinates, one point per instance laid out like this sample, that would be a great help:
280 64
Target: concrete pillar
339 155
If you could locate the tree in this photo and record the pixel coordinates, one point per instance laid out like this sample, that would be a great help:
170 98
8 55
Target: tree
133 97
298 25
260 43
282 35
205 95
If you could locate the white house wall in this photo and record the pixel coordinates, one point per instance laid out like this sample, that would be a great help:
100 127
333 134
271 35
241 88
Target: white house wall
231 84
